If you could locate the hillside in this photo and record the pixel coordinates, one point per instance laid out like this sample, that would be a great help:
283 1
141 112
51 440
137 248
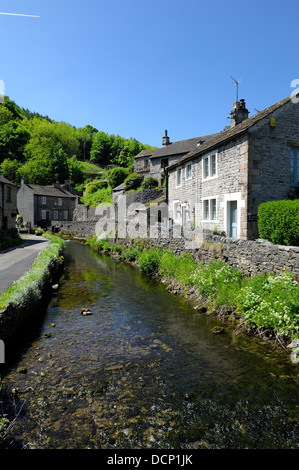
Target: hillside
44 150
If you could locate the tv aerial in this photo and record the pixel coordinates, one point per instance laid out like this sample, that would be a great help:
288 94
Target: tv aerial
237 87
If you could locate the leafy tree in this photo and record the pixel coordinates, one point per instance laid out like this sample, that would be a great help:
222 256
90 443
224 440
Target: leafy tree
9 169
84 135
76 174
45 135
13 138
47 168
101 148
5 115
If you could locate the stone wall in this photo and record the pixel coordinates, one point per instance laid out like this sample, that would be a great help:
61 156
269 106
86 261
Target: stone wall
251 257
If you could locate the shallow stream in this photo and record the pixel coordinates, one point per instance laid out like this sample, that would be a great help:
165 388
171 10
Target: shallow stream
144 370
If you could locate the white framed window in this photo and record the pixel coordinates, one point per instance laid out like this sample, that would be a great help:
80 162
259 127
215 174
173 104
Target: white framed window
44 200
44 215
179 177
177 211
294 166
209 166
209 207
60 201
55 214
65 215
188 171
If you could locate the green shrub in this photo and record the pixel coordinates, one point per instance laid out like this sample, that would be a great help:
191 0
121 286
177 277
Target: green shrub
131 254
117 249
133 181
278 222
178 267
94 186
8 242
271 302
149 183
149 260
117 176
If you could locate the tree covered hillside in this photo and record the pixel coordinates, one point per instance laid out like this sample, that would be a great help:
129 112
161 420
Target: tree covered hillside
44 151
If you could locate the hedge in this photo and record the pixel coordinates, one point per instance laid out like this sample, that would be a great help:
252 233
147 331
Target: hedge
278 222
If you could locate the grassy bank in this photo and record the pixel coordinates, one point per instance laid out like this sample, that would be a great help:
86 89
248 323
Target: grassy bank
29 287
264 304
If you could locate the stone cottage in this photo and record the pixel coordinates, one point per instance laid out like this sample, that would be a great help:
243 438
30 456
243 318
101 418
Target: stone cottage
221 183
39 205
153 163
8 204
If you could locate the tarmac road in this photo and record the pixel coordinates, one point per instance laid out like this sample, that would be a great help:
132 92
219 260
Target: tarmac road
14 262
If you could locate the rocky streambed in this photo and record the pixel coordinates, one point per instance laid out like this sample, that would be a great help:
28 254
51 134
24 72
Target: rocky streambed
142 370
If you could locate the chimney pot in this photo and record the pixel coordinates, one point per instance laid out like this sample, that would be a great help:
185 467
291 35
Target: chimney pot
239 113
165 140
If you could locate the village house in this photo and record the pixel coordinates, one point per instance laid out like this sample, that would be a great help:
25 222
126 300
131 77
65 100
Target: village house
221 183
8 204
39 205
153 163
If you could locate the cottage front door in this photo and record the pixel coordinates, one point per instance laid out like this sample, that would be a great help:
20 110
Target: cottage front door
233 221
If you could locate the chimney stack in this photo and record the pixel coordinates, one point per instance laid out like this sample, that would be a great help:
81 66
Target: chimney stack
239 113
165 140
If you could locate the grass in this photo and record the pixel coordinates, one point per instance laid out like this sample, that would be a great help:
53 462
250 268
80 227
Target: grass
29 287
268 303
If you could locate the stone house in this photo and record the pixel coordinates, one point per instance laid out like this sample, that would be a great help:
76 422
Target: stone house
40 205
220 184
153 163
8 204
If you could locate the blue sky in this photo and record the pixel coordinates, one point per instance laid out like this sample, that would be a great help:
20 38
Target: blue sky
136 68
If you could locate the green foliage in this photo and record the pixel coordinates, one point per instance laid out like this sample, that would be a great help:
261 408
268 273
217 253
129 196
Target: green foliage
278 222
149 183
47 150
29 287
133 181
149 260
178 267
97 192
131 254
114 149
271 302
10 170
8 242
117 176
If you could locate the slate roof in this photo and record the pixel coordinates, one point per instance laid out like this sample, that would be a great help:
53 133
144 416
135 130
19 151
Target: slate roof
39 190
181 146
227 135
119 187
6 181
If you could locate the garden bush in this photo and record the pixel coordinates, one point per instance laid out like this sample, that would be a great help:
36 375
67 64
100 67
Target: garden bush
133 181
149 183
278 222
117 176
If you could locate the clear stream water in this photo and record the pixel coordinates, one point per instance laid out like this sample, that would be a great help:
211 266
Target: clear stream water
143 371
